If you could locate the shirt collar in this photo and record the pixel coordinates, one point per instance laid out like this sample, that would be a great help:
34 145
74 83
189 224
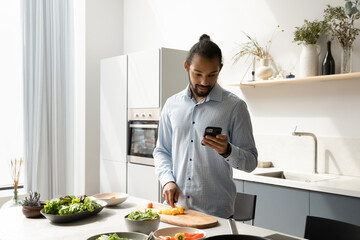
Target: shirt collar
214 95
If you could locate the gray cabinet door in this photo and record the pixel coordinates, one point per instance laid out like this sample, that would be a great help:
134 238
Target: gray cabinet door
280 208
239 185
342 208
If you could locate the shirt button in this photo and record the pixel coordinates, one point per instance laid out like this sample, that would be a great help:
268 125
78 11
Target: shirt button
188 196
190 159
191 140
189 178
193 122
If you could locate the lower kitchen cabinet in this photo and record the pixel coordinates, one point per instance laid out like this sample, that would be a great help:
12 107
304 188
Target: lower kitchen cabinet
142 182
284 209
280 208
338 207
239 185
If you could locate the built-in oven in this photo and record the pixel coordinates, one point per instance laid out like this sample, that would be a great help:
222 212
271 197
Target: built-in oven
142 135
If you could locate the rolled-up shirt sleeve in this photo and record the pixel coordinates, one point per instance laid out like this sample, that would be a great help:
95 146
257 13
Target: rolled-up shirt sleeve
162 153
243 154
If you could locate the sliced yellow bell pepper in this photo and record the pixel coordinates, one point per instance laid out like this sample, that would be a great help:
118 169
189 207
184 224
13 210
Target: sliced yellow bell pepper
179 236
174 211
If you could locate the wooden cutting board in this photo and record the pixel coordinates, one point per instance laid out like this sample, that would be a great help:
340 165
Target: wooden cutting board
190 218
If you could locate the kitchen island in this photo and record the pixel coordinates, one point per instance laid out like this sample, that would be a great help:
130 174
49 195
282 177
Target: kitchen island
14 225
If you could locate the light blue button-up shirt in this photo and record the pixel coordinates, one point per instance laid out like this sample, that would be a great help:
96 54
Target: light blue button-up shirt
204 177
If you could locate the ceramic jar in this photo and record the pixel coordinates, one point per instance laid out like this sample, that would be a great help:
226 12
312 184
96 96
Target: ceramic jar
309 60
264 71
32 212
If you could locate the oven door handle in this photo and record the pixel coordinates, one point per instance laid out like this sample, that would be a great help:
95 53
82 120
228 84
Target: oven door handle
143 125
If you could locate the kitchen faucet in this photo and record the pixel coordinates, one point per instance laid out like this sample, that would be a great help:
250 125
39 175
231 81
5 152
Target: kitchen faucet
315 149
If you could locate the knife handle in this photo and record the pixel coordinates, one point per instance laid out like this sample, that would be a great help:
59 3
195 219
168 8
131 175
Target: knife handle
233 227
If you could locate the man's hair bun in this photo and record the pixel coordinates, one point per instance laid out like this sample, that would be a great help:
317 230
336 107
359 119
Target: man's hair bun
204 37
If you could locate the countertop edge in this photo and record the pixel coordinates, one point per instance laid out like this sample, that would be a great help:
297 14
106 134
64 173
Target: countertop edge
340 185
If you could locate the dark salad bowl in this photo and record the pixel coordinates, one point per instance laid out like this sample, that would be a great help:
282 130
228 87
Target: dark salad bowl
55 218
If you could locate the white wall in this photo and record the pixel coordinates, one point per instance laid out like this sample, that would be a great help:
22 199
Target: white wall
328 109
103 38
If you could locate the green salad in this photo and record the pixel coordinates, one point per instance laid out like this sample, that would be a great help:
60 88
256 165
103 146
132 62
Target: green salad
143 216
70 204
111 237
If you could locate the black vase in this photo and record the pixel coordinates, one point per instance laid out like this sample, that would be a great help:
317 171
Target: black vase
328 65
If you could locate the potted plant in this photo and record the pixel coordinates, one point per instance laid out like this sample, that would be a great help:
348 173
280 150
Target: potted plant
261 53
341 22
32 205
307 35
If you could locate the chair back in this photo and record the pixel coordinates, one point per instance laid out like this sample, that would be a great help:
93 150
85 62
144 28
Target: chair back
318 228
244 208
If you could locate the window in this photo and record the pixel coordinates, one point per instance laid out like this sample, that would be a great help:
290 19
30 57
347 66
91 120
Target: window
11 90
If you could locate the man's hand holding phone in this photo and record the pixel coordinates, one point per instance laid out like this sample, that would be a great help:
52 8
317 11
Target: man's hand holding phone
214 139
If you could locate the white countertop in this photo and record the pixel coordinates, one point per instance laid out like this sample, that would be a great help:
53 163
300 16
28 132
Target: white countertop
342 185
14 225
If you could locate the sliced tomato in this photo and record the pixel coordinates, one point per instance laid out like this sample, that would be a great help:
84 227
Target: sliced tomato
193 236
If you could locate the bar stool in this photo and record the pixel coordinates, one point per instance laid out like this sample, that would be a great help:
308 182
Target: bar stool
244 208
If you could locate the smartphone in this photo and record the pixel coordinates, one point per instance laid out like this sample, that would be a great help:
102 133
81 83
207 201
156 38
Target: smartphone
212 131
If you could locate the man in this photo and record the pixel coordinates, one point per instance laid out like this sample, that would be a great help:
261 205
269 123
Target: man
196 171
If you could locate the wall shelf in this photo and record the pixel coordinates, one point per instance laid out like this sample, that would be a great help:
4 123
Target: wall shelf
344 76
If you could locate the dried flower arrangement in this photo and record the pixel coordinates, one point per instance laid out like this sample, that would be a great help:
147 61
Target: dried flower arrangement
253 48
15 171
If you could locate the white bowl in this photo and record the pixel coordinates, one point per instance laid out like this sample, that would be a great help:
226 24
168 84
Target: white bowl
108 198
171 231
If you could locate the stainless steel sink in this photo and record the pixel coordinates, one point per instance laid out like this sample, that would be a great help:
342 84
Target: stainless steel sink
297 176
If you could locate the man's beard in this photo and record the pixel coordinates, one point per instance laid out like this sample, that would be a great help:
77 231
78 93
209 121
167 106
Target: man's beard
195 90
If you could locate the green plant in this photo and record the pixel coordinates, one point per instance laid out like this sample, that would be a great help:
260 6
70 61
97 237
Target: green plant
32 200
342 24
253 48
310 32
351 7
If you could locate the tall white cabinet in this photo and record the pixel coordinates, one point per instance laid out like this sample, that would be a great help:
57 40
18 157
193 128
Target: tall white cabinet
137 80
113 124
153 76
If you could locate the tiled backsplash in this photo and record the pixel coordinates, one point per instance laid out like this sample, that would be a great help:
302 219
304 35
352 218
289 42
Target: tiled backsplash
335 155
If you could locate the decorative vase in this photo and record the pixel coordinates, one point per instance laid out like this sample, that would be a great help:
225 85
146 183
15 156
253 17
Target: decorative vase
13 202
346 59
309 60
264 71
